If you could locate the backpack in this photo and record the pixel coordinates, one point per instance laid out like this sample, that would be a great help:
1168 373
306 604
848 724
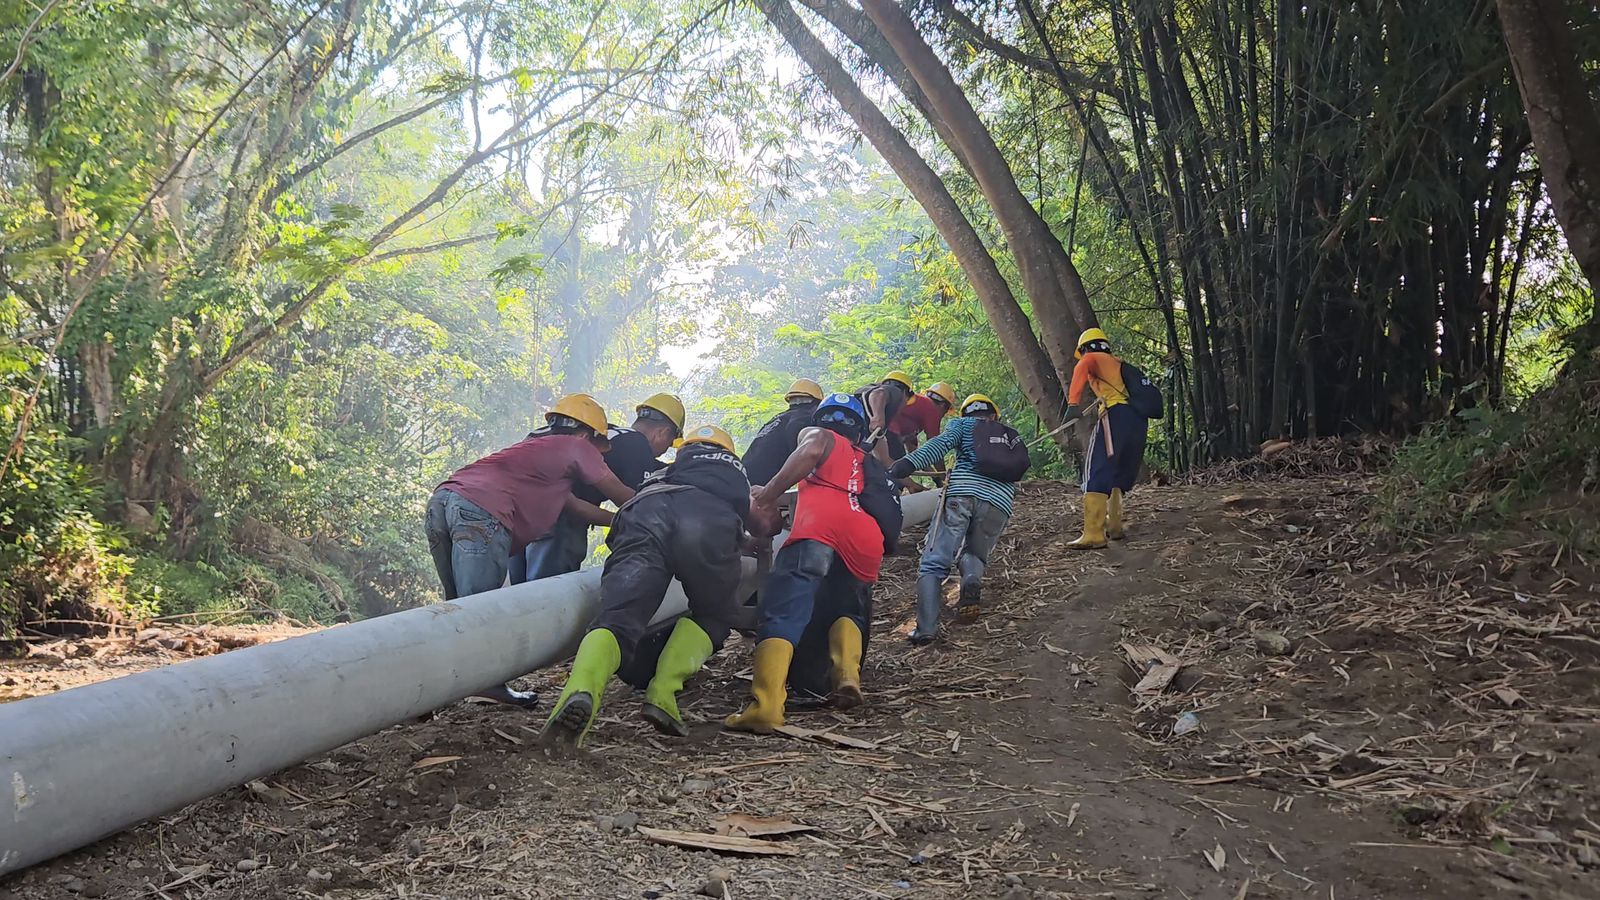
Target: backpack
998 451
1143 396
880 498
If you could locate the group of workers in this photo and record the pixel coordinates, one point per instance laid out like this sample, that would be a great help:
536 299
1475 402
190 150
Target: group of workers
524 512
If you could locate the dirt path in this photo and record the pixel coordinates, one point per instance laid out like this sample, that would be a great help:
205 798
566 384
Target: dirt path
1012 759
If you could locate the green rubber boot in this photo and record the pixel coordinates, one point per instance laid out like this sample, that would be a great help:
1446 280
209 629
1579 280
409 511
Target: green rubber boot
686 651
597 660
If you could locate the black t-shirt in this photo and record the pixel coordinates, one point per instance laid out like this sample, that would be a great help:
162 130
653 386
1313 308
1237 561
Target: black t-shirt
713 470
775 441
630 458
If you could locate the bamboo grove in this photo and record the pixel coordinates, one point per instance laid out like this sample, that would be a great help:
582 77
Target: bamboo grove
1333 207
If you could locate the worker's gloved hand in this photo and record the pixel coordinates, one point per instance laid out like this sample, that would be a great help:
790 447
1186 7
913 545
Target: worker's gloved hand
902 468
1073 414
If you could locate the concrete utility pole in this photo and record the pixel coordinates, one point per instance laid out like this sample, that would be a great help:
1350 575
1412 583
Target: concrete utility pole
86 763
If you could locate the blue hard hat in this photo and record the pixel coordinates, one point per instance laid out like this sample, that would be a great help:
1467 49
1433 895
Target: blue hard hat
839 406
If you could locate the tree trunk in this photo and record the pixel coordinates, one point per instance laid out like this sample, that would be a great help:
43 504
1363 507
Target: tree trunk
1059 300
1039 379
1565 124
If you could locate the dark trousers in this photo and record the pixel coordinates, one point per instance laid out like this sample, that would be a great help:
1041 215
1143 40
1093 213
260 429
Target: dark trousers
560 552
808 590
686 534
843 596
1115 464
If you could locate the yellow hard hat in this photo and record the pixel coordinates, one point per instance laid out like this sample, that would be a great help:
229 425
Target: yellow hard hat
943 391
974 399
1089 334
804 387
901 377
584 409
666 404
709 434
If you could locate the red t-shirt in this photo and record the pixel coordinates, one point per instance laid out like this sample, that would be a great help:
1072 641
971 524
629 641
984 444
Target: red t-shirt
919 414
829 510
525 485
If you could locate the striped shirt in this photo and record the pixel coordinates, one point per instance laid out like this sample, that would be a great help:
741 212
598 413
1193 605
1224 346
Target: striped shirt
964 479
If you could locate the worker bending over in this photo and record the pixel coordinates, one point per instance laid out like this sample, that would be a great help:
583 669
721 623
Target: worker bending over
1117 447
658 421
686 523
883 402
777 439
923 415
975 511
836 545
514 496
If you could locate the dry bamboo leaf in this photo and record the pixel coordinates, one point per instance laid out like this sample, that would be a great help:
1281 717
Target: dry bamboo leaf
1218 858
721 843
842 740
741 825
427 761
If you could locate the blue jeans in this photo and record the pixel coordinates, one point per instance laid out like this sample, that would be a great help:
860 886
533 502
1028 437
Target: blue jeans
469 546
806 576
967 526
561 551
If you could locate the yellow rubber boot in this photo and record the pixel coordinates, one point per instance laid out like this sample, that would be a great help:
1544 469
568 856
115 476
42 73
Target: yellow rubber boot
844 646
1114 516
767 693
1094 523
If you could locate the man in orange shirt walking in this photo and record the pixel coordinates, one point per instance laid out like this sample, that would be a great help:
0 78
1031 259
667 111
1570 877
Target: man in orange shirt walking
1117 447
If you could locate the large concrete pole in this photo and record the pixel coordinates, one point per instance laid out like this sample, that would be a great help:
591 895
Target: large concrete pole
88 762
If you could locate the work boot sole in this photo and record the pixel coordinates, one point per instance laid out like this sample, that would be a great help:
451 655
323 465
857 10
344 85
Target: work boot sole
917 640
1075 545
1116 535
662 721
847 696
569 722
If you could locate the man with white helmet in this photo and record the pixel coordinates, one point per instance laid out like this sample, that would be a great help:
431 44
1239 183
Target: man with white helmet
976 509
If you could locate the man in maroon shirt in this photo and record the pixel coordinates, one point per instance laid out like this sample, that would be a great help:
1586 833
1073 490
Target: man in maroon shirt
513 496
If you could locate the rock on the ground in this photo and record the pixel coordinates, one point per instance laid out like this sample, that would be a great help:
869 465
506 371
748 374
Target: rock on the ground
627 821
716 884
247 865
1272 643
1211 620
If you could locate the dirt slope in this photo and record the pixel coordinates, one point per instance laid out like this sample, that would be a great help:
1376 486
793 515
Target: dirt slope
1381 757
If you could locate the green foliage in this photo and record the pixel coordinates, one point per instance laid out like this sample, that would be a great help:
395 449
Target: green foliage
1490 469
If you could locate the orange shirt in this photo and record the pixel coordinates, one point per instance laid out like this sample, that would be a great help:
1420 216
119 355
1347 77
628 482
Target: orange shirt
1103 373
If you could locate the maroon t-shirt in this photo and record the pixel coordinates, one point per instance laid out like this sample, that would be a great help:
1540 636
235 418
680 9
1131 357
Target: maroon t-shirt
919 414
525 485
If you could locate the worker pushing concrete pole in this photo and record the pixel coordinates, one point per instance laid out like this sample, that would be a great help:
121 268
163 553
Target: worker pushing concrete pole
86 763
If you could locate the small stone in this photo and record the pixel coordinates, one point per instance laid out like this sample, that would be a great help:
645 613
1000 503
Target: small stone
1588 858
606 823
319 877
982 826
75 885
1211 620
247 865
414 847
95 889
918 860
714 887
627 821
902 883
1013 879
1546 836
651 895
1272 643
697 786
